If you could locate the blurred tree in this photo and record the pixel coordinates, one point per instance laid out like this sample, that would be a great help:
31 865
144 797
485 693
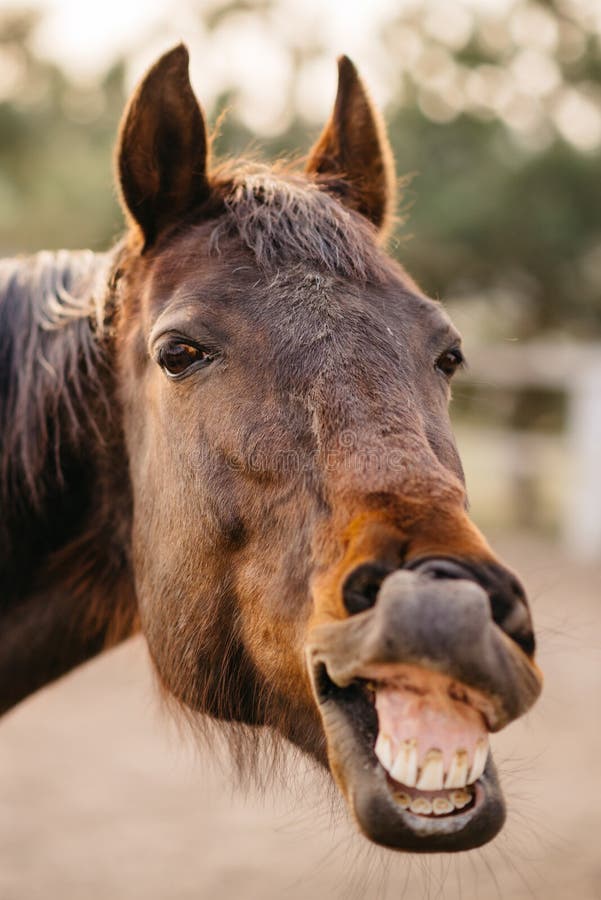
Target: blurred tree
56 142
498 118
505 136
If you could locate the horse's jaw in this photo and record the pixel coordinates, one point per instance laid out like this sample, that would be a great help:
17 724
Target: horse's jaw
407 709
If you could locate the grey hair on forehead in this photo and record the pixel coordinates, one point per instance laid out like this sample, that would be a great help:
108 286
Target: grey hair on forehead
286 218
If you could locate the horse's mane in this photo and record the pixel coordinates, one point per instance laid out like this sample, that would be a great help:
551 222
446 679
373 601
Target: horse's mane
50 357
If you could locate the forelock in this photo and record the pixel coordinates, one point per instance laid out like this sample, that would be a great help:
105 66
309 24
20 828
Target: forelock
286 219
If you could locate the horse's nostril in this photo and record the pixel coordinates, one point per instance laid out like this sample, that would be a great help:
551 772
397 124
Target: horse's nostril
442 568
511 613
508 605
361 587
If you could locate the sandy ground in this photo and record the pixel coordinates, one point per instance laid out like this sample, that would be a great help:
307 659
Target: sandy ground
101 798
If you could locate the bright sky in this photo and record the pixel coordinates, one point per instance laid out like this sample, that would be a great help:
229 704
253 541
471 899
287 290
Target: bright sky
84 37
252 57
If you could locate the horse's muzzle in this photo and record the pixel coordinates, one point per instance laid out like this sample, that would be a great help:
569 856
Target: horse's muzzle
408 691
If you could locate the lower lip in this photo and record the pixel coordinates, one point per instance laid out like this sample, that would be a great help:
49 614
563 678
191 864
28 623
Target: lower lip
385 823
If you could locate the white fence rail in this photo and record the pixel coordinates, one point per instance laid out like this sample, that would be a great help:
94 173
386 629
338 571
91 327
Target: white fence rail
575 370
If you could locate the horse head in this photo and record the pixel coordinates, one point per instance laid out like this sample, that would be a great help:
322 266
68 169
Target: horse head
302 552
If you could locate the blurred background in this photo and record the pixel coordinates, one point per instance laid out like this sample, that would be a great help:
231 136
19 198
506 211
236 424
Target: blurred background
494 111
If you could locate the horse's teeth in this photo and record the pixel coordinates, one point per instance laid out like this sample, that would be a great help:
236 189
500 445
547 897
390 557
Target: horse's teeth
459 799
421 806
383 750
404 768
441 806
403 799
432 773
480 756
458 770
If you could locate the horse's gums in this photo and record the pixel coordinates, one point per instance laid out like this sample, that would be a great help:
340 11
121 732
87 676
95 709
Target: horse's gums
249 450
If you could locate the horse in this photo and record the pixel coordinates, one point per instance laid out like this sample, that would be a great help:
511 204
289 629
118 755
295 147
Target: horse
231 433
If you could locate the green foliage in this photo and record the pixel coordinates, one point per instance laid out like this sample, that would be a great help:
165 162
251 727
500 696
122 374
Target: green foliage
493 208
486 215
56 186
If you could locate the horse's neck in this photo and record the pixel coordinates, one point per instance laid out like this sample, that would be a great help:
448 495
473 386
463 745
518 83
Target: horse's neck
65 588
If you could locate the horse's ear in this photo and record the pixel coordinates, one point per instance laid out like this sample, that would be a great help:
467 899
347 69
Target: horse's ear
162 150
354 152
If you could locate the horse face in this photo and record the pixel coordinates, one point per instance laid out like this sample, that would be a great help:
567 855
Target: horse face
302 551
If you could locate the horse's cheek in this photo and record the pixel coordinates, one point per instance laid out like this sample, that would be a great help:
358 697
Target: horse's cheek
275 641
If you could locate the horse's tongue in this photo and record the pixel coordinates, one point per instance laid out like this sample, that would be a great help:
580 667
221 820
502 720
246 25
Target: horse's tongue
429 740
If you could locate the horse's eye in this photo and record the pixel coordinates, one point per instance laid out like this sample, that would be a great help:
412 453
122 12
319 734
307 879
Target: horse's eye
450 361
176 357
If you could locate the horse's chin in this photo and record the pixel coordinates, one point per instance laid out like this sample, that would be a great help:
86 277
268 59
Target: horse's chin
388 812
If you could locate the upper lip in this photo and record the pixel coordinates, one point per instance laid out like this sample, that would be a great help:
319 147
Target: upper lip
462 641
